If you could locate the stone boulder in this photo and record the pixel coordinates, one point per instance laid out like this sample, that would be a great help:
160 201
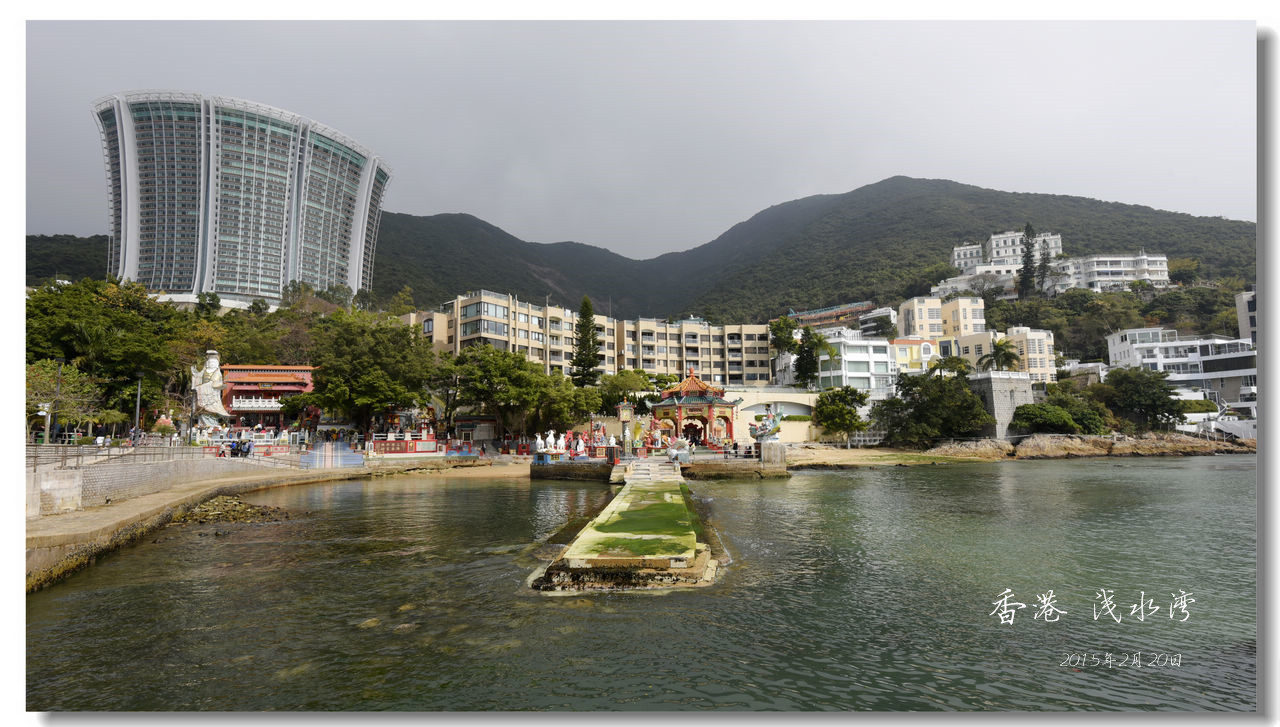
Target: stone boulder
981 449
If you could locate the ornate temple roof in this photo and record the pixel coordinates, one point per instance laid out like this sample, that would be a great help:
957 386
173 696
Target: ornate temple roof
693 386
693 391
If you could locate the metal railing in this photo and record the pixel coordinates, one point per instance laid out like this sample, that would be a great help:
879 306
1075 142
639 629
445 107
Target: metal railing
56 456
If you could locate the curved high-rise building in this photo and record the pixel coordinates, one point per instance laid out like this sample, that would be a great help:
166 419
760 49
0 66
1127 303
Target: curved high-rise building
222 195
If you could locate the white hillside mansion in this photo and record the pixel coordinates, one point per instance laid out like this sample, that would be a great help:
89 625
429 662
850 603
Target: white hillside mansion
995 264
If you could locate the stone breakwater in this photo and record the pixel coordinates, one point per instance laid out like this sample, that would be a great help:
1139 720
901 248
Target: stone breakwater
1066 446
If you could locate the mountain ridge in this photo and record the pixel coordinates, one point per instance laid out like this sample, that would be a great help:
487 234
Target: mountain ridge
880 242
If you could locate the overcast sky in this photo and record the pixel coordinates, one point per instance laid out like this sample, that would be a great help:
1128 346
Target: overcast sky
649 137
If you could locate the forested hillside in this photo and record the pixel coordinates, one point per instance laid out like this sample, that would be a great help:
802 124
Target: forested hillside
882 242
67 256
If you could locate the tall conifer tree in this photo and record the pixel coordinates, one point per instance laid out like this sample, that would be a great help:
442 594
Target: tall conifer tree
1027 273
586 347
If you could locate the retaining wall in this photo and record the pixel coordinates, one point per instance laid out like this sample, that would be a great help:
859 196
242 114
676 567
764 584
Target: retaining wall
61 490
731 470
590 471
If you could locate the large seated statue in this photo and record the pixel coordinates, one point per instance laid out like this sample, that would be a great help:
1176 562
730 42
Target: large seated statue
208 385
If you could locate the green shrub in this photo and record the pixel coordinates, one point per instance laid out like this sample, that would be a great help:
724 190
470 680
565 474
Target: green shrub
796 418
1198 406
1033 418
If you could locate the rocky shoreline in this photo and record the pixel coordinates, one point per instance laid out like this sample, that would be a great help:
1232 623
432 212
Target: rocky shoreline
1068 446
229 509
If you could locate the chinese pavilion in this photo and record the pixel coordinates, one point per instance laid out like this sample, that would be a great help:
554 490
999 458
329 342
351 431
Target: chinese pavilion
697 411
254 394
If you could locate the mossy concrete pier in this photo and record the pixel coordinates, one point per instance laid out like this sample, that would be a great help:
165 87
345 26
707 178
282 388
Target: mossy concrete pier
647 537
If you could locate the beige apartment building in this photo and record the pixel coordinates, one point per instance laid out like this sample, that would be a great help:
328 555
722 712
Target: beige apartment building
944 322
1034 347
732 355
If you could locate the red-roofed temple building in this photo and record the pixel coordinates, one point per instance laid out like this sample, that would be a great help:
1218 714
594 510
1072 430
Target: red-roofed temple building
253 393
697 411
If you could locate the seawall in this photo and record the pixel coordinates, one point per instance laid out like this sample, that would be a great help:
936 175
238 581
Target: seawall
58 545
732 470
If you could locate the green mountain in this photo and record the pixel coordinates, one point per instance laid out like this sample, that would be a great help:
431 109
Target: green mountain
65 257
882 242
877 243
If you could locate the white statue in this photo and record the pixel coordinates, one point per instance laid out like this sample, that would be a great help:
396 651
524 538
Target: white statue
580 446
612 442
560 442
208 385
538 445
551 439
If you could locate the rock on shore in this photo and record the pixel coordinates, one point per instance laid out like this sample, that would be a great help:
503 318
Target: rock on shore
230 509
1152 444
1066 446
981 449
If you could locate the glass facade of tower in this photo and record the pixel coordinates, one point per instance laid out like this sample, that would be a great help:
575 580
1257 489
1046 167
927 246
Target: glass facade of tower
212 194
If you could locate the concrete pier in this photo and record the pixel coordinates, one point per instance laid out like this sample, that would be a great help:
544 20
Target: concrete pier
647 537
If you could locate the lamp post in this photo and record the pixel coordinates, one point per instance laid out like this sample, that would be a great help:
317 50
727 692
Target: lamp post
137 412
53 408
46 411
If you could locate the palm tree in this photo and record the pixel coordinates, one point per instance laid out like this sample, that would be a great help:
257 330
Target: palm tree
113 418
1003 357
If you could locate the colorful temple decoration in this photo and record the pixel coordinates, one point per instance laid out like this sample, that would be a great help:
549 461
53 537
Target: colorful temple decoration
696 411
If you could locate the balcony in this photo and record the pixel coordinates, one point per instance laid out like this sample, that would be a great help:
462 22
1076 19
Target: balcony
254 403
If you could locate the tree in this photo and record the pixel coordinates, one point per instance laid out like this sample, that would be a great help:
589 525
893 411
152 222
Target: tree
922 280
1089 415
988 287
1027 273
259 307
111 330
621 386
1003 356
1144 397
1035 418
927 408
882 327
506 385
294 293
208 304
367 364
339 294
586 347
782 335
837 411
364 300
957 365
564 405
402 302
73 395
1184 271
811 347
1044 272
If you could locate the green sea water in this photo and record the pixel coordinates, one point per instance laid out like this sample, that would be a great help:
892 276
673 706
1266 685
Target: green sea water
855 590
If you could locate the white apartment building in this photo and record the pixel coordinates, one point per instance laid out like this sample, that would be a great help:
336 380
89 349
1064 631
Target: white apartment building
1222 365
735 354
1110 272
211 194
865 363
1003 249
999 259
